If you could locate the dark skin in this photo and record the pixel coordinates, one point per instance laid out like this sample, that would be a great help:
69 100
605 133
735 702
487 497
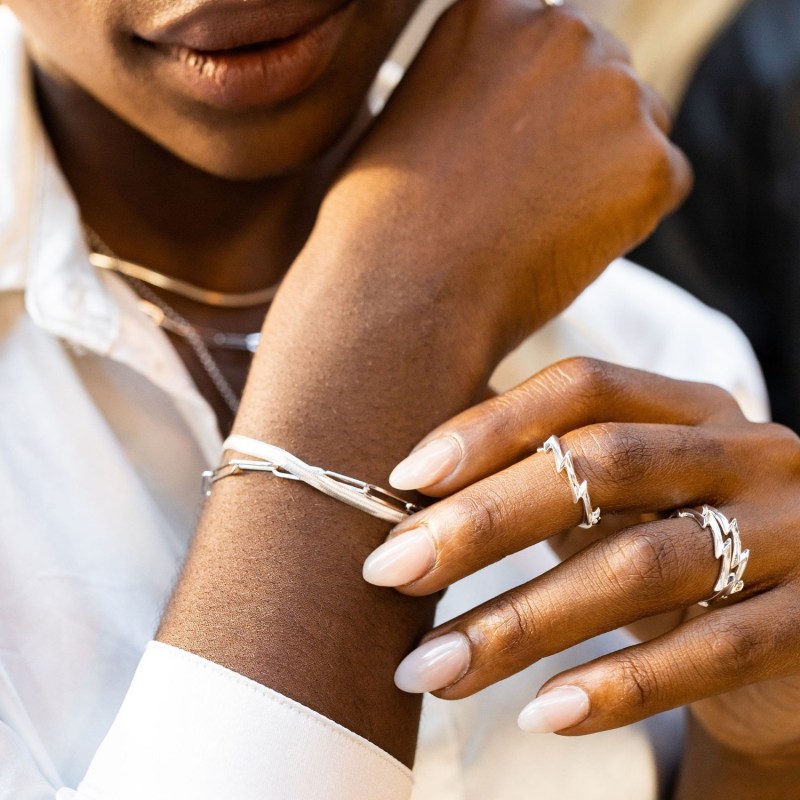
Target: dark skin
372 340
190 215
644 443
188 221
225 201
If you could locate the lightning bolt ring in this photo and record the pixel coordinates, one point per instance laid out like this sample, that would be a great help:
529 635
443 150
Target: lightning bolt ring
579 489
727 548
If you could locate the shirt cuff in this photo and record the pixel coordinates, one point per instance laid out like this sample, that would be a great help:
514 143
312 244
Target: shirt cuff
189 728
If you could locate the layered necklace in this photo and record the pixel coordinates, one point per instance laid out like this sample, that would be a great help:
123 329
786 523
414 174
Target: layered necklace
200 339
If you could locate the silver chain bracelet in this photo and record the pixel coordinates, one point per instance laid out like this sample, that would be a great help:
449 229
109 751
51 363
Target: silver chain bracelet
281 464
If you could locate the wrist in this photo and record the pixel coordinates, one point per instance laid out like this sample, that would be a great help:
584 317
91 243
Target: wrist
370 236
350 339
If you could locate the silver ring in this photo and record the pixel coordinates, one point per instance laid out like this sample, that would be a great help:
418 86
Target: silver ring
553 3
727 548
580 492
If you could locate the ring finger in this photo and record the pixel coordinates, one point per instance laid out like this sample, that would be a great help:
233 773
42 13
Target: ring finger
635 467
637 573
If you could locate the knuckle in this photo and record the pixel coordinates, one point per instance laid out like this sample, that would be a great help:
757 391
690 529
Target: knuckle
719 400
625 85
517 410
620 96
644 564
480 517
613 453
638 681
589 382
573 25
588 375
778 449
512 624
505 415
616 48
781 436
682 176
783 444
659 170
736 650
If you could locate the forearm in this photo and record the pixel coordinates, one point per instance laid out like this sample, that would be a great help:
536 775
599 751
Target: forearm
709 770
272 587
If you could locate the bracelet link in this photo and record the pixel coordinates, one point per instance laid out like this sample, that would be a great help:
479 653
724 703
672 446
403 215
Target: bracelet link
368 497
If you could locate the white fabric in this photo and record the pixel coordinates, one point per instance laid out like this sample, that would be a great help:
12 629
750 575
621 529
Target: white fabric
277 749
96 520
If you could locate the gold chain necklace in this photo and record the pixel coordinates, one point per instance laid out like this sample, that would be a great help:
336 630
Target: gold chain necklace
104 258
164 316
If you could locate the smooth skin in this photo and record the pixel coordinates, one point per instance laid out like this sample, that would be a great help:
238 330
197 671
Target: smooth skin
646 445
518 158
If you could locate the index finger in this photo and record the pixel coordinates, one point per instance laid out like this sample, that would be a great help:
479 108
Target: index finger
566 396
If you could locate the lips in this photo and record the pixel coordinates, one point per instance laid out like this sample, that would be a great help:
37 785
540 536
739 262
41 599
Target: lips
245 55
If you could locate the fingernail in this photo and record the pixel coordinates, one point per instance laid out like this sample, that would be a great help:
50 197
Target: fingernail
555 710
401 560
434 665
430 464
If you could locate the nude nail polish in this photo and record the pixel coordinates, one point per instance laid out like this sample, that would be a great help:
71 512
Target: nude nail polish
430 464
555 710
402 559
434 665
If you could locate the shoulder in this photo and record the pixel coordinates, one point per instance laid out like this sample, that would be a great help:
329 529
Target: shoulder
631 316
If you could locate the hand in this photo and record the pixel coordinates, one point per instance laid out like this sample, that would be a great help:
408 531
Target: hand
519 156
644 444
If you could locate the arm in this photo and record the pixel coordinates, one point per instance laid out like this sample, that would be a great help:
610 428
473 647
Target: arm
431 259
273 580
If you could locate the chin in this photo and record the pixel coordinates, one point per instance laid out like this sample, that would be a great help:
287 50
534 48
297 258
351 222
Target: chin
254 146
234 159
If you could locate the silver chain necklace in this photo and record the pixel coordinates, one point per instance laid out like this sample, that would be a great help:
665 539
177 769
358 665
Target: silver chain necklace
183 328
164 316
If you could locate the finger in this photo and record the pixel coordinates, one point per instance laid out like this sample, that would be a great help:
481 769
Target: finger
718 652
649 99
639 573
628 468
565 396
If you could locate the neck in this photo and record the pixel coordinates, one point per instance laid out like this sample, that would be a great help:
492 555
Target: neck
152 208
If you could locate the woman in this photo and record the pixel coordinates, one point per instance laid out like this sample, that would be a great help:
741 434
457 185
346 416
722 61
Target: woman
199 139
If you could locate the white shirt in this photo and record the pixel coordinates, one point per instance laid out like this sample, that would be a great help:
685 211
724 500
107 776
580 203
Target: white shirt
102 439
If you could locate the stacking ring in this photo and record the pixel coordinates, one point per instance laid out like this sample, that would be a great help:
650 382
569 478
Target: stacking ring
580 492
727 548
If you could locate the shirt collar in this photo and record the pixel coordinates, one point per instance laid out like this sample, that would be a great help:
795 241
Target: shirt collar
42 251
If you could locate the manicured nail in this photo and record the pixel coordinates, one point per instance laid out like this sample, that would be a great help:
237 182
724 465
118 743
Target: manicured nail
434 665
555 710
430 464
404 558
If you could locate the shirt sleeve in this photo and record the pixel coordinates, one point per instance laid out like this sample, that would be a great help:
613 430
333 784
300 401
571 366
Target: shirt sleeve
189 728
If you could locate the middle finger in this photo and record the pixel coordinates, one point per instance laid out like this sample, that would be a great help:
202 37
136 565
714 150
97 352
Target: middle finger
628 468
